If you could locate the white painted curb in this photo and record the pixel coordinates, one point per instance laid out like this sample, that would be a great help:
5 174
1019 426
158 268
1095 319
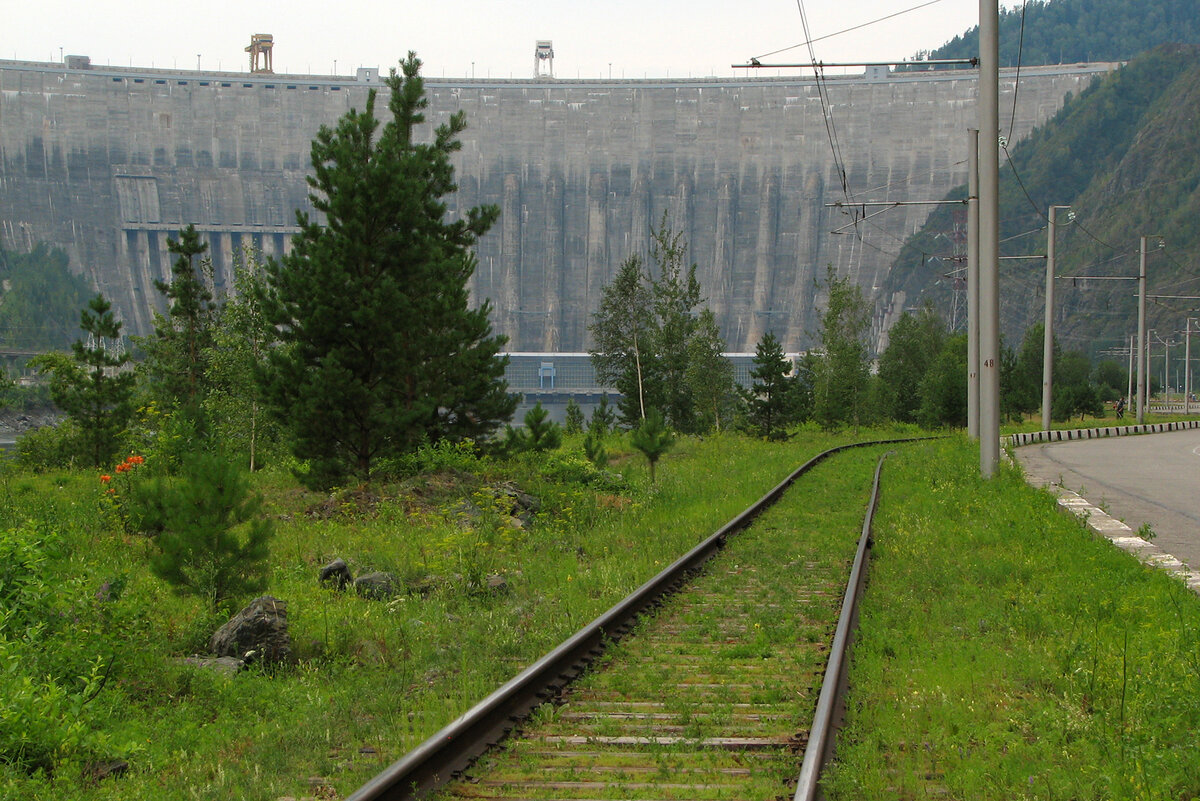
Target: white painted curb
1068 434
1095 518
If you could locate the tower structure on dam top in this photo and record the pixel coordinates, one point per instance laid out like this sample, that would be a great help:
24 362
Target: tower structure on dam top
107 162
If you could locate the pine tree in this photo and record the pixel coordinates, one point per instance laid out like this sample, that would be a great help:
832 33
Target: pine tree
380 349
214 542
653 439
176 353
574 422
92 389
539 434
603 418
770 394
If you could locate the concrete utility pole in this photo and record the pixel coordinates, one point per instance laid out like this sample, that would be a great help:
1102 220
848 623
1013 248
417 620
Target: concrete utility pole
1141 334
1048 345
973 283
1187 368
1129 377
989 239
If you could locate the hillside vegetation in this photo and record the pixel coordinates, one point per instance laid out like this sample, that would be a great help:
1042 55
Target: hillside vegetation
1071 31
1122 155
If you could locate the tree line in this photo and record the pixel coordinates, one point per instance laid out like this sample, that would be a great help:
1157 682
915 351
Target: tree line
360 345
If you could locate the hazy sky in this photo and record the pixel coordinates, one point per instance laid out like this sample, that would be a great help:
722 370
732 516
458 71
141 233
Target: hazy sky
632 38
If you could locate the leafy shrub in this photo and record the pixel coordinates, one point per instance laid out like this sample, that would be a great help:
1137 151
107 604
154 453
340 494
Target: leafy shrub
463 456
49 447
167 438
573 468
41 720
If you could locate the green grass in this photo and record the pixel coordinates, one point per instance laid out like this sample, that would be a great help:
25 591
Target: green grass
372 679
1033 422
1006 653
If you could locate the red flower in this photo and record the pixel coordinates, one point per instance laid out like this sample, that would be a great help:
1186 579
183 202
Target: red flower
106 478
121 468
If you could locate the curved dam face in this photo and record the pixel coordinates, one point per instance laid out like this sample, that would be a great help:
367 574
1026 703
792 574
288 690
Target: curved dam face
107 162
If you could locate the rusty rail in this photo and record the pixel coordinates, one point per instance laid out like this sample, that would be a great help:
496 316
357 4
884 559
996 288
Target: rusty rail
451 750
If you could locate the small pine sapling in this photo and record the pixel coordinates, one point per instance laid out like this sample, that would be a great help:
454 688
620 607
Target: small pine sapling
214 543
574 423
653 439
539 434
593 449
603 418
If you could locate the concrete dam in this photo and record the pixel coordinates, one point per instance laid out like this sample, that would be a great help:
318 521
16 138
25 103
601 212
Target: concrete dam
107 162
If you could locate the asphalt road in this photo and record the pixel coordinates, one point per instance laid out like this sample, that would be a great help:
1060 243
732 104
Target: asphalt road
1150 478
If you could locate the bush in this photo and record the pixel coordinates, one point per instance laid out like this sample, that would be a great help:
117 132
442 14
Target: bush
41 720
462 455
49 447
572 468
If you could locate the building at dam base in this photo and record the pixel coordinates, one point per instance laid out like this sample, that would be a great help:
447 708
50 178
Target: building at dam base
107 162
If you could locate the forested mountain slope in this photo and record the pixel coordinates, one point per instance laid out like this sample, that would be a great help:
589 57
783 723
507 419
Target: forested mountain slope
1070 31
1124 155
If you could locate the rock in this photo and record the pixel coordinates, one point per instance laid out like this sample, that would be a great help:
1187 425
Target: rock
336 573
257 633
519 504
228 665
425 585
377 585
497 584
103 769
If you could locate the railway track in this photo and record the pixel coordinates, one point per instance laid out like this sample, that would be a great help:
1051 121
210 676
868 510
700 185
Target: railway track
704 682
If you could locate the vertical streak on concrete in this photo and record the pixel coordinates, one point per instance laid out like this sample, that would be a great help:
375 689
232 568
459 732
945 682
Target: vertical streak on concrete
808 254
639 239
597 250
511 317
720 278
127 253
762 317
553 261
683 214
223 241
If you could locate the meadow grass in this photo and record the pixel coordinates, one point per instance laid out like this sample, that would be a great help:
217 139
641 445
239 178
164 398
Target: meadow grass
1004 652
371 678
1033 422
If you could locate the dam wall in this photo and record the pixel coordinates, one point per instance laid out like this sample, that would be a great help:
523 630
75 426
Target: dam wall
107 162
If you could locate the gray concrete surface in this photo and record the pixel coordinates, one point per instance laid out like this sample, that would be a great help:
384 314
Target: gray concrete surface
107 162
1148 478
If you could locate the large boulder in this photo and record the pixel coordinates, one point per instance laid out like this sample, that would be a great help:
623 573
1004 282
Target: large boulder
258 633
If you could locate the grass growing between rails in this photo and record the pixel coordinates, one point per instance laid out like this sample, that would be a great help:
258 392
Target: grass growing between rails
90 640
1006 653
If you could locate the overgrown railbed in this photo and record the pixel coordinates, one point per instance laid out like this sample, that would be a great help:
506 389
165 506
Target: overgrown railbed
93 671
1004 652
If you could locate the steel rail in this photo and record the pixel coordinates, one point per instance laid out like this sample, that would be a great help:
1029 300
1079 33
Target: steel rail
451 750
833 687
